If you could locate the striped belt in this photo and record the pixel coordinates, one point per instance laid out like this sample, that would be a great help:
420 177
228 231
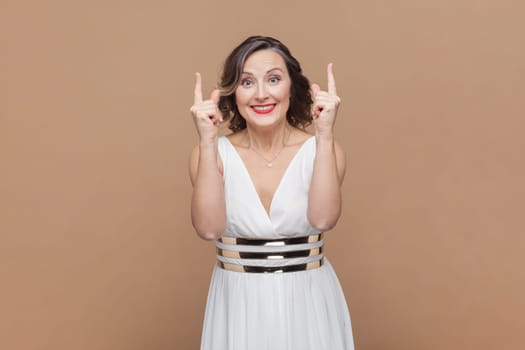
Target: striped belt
270 255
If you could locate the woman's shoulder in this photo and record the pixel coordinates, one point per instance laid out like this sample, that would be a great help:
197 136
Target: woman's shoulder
235 138
299 137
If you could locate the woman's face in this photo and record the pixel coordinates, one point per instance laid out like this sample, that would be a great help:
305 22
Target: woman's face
263 94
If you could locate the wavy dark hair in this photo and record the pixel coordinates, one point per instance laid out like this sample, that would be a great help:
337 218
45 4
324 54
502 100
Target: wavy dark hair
299 112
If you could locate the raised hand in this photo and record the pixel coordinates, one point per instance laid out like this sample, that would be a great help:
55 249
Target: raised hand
325 105
206 114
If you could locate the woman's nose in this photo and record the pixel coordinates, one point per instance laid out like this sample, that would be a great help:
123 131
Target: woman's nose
261 94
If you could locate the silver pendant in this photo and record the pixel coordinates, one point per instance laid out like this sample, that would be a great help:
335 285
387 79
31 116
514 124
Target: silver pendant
269 165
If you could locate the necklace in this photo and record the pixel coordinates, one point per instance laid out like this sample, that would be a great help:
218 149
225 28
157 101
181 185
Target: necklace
269 162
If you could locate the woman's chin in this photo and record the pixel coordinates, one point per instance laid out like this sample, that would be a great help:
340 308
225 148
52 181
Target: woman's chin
264 123
265 120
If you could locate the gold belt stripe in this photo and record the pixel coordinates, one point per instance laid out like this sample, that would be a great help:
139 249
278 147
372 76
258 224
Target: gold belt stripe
270 269
271 242
269 255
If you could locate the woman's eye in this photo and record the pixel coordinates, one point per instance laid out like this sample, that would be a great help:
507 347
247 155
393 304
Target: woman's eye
246 82
274 80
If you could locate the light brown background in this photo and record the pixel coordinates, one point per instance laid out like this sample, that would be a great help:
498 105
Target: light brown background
96 246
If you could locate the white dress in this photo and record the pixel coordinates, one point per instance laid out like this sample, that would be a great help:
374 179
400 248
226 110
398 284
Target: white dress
298 310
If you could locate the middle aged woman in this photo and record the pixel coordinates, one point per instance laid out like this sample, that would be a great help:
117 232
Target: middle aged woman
265 193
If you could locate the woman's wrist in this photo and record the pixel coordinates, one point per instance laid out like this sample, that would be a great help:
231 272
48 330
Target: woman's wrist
208 142
324 137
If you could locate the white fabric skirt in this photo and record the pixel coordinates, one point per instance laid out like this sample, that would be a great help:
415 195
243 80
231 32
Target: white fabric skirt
300 310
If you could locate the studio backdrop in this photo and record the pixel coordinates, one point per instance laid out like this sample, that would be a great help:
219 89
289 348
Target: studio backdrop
97 250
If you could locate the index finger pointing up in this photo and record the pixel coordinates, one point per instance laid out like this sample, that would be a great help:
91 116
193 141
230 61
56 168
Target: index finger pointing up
331 80
198 89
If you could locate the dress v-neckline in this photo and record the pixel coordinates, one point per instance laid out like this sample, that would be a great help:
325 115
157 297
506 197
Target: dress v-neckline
268 213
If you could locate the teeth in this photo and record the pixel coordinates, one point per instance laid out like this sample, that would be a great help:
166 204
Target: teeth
263 108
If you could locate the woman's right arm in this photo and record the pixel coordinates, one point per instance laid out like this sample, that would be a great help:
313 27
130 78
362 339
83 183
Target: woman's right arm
208 208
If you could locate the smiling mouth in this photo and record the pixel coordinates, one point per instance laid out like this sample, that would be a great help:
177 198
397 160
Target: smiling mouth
263 109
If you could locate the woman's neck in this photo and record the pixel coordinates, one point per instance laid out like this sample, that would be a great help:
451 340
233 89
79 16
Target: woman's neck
268 140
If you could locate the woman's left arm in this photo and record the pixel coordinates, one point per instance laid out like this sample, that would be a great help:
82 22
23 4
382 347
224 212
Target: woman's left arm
324 198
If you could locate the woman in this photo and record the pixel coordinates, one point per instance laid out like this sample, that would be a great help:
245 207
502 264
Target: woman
265 193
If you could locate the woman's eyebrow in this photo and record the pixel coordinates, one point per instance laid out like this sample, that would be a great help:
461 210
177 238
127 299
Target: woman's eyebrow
276 68
268 71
